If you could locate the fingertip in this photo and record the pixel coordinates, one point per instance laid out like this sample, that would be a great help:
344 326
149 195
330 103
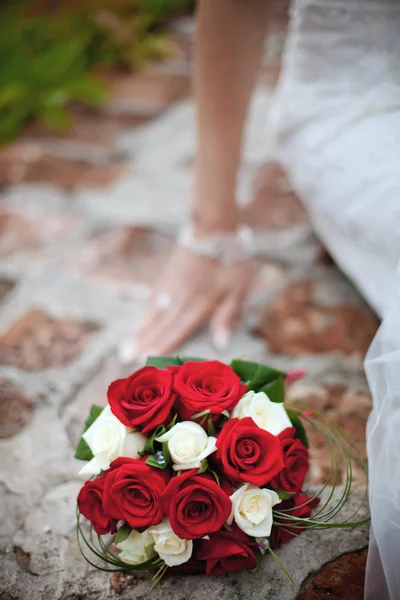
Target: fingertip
221 338
127 351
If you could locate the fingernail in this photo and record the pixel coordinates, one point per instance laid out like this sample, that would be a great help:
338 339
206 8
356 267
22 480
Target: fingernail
127 352
222 339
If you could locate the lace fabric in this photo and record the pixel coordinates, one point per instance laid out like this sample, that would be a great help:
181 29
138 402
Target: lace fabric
336 122
336 116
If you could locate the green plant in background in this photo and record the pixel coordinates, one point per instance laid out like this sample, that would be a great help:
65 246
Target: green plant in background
48 55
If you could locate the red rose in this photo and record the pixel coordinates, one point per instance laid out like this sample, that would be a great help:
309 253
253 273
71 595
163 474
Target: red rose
191 567
143 400
299 506
227 551
132 492
295 457
249 453
90 504
195 504
208 385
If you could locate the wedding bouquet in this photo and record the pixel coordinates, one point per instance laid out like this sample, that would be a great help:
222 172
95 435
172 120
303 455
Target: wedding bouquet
199 467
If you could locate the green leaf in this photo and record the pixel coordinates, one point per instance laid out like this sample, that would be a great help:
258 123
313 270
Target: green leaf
152 462
122 533
95 411
254 374
186 359
212 432
83 452
298 425
283 494
275 390
166 454
203 467
55 118
173 422
149 447
162 362
89 90
216 476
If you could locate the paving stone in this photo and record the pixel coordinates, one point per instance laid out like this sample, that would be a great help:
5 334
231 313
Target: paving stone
38 457
15 409
93 392
348 407
34 199
177 125
14 160
30 236
94 129
140 198
70 175
296 323
145 93
17 233
130 257
38 341
46 535
341 579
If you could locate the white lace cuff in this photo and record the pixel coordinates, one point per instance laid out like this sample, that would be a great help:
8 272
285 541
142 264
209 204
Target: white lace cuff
227 248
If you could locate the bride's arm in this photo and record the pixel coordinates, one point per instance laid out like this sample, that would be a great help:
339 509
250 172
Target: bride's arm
229 46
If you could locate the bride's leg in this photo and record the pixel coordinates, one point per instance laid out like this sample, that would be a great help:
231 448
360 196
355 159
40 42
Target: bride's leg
337 127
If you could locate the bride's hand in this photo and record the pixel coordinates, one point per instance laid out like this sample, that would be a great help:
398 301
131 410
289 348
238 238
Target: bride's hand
190 290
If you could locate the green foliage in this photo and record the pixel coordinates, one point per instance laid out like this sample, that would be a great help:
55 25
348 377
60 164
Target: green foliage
153 447
162 362
122 533
47 57
83 452
275 390
256 376
149 447
283 494
298 425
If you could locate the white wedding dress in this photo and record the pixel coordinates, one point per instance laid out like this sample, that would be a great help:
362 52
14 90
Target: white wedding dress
336 120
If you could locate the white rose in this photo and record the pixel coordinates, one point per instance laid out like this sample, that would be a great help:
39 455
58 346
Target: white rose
188 445
108 439
268 415
137 548
252 509
170 548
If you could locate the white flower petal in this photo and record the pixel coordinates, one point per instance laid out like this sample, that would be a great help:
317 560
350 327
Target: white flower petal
188 445
94 466
187 466
211 447
109 439
170 548
268 415
137 548
252 510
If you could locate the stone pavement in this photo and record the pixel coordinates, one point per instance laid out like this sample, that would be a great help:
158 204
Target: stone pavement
86 222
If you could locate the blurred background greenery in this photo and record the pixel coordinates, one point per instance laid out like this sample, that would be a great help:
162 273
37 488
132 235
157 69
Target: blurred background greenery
50 51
